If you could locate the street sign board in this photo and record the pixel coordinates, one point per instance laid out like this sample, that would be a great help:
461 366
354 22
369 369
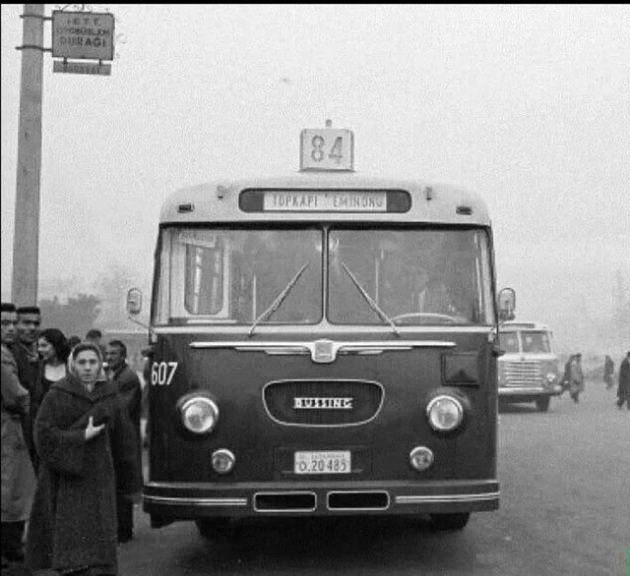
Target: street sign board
82 35
326 149
82 67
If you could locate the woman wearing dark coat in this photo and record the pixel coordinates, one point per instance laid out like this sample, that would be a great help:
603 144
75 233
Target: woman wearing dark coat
80 431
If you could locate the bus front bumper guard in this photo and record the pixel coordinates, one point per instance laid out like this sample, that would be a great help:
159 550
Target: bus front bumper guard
189 501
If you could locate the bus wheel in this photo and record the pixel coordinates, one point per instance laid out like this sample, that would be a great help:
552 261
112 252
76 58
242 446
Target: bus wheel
214 528
542 403
455 521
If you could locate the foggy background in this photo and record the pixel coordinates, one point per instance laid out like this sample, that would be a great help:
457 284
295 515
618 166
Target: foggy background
527 105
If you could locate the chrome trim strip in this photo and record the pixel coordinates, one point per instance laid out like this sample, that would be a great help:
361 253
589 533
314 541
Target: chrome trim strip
344 425
358 492
516 390
337 347
310 329
212 502
256 509
445 499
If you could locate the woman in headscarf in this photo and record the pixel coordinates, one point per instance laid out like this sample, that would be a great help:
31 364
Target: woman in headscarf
80 430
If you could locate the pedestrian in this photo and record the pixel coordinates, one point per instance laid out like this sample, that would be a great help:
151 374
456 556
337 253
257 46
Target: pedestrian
18 478
80 432
576 378
128 386
53 350
566 378
95 336
73 341
28 363
147 354
609 370
623 391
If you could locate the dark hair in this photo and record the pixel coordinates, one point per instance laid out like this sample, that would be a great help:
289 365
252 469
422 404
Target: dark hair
73 341
94 333
119 344
7 307
29 310
83 346
58 341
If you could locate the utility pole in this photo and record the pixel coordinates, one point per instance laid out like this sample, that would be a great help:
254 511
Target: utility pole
26 233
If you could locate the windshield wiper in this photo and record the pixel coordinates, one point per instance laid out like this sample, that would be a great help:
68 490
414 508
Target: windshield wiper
279 299
370 301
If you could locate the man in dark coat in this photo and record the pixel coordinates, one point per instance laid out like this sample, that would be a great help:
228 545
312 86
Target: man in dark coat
128 386
623 391
80 432
18 478
27 358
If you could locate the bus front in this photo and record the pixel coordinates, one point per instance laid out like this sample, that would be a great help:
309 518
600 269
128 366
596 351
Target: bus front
323 345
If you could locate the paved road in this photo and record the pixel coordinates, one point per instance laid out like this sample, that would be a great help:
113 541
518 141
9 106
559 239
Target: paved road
565 510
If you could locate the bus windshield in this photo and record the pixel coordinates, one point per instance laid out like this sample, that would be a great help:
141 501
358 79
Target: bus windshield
252 276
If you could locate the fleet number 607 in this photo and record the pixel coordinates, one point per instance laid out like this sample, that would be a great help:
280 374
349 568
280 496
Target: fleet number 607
162 373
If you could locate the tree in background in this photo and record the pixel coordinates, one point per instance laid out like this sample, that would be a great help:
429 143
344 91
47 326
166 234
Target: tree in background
76 316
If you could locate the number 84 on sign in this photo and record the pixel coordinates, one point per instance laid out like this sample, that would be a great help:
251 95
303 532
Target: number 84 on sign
326 149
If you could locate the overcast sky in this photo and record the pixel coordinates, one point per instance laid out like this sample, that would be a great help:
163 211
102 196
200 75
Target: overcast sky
527 105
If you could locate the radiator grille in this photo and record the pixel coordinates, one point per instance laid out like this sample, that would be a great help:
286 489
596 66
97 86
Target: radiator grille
522 374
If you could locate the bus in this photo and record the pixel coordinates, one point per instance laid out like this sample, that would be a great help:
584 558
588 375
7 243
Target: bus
528 369
324 344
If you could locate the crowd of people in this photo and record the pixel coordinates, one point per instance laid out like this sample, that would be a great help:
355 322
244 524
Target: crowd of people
71 444
71 447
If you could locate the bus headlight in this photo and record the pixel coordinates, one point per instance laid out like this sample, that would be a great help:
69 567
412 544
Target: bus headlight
199 414
445 413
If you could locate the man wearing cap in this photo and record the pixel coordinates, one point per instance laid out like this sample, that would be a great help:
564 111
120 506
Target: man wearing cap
25 353
18 478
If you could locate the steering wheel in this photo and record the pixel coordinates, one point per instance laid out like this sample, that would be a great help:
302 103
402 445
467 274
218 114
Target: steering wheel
427 315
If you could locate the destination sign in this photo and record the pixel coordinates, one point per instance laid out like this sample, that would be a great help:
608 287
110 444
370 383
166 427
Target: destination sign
324 201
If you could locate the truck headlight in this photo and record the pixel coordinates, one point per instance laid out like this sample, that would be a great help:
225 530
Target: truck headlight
445 413
551 377
199 414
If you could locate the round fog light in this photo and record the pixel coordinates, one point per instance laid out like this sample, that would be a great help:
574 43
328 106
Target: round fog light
421 458
223 461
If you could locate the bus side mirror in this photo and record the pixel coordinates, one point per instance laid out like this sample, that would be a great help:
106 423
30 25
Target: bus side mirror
134 301
507 304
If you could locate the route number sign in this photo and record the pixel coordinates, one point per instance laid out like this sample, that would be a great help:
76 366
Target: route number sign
326 149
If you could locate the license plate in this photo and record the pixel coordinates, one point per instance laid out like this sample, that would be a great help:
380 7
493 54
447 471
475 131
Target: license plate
323 462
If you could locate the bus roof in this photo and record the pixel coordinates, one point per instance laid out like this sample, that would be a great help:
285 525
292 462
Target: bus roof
513 325
218 201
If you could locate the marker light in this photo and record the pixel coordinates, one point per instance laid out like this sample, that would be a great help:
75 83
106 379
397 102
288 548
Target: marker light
199 414
223 461
445 413
421 458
